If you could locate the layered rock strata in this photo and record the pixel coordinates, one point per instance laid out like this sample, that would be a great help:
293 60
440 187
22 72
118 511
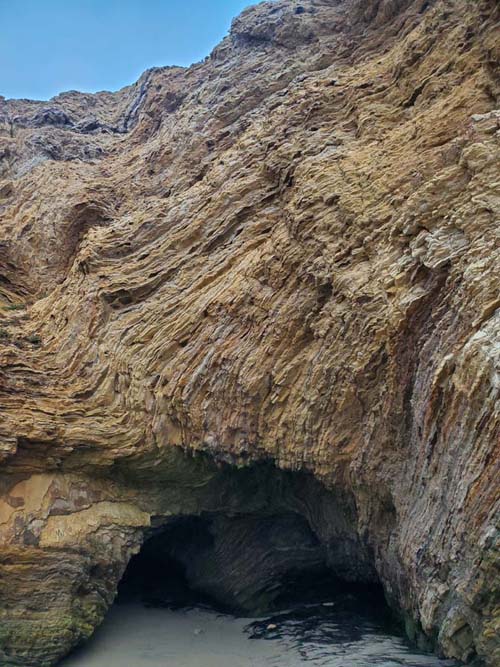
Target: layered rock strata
289 253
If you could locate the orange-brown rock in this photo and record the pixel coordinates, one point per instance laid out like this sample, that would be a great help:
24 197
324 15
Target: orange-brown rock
289 252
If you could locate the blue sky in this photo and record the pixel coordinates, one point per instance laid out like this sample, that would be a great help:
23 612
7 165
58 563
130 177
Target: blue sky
48 46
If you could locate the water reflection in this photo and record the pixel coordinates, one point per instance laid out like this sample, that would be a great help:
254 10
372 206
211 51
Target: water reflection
341 634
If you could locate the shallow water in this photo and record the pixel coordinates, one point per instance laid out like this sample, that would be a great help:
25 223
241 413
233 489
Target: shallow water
322 635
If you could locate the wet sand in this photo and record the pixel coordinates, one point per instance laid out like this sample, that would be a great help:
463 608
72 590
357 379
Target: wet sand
136 636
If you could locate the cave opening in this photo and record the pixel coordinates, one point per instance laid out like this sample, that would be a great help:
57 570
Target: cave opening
246 564
256 554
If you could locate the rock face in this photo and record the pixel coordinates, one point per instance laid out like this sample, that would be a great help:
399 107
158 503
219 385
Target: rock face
288 253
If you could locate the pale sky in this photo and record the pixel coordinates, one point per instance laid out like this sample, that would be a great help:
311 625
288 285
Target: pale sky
49 46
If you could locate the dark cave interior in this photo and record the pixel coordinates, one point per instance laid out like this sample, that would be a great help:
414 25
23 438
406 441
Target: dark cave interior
244 564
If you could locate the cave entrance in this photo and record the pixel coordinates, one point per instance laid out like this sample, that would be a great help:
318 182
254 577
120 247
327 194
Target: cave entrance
276 551
245 564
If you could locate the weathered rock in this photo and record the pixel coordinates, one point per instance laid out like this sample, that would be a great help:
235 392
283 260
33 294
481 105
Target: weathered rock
289 252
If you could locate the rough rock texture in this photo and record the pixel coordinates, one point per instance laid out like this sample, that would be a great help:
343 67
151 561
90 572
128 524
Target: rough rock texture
289 252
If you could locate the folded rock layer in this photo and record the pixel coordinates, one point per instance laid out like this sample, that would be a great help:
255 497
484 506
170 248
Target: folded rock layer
287 253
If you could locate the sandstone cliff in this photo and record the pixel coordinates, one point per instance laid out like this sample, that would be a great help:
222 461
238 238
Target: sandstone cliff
289 253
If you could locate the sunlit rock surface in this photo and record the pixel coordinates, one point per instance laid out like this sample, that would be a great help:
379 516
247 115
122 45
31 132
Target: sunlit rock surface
289 252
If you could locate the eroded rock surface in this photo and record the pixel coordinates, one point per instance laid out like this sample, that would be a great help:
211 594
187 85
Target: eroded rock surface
289 252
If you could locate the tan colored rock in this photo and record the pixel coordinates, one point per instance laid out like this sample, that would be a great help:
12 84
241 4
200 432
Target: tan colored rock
288 252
